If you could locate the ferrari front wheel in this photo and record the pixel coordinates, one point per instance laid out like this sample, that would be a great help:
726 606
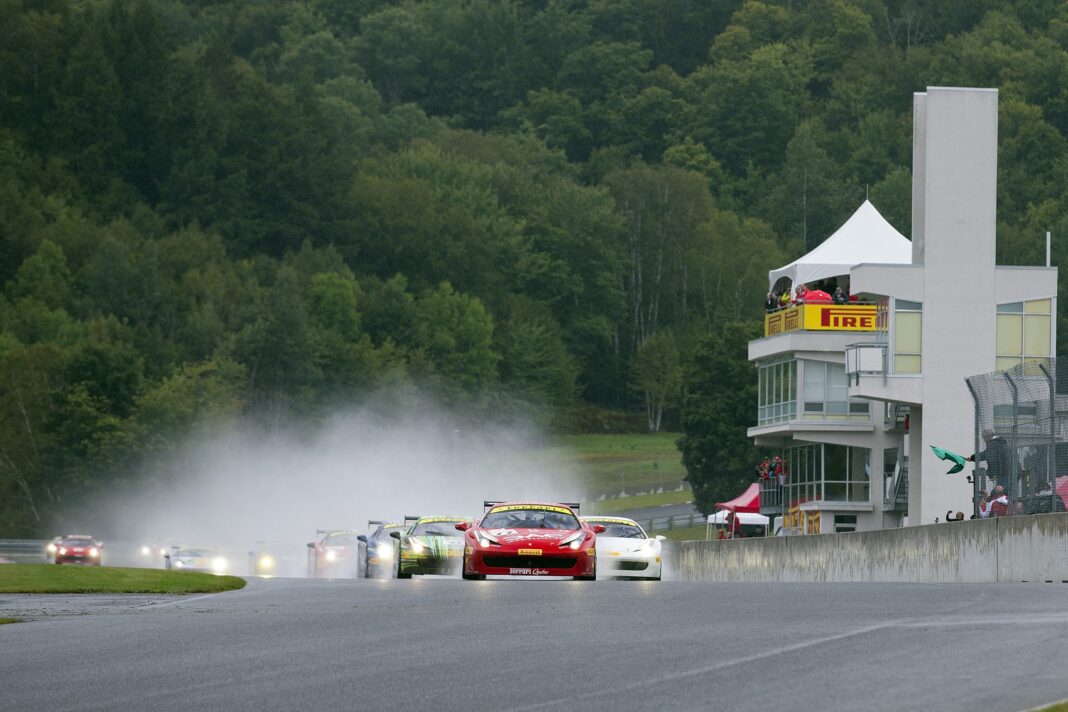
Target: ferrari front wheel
470 577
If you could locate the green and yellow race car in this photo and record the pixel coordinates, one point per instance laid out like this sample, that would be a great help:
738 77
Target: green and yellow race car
432 545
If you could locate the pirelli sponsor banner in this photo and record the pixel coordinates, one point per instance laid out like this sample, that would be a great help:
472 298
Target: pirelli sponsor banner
531 507
839 317
822 317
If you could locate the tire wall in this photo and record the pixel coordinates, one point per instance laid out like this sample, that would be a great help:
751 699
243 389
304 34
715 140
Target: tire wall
1009 549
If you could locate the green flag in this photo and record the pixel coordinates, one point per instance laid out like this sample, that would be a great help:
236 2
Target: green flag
951 457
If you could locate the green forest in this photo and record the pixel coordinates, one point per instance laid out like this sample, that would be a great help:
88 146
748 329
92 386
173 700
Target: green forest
558 210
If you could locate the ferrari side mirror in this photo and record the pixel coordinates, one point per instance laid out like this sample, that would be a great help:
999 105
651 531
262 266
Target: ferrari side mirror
463 526
598 529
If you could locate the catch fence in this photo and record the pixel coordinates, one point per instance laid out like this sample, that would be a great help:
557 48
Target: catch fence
1021 437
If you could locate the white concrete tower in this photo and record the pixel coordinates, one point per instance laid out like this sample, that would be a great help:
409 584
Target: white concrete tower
954 221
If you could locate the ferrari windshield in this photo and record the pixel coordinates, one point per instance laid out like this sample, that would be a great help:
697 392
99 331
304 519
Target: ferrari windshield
533 518
439 528
78 542
618 529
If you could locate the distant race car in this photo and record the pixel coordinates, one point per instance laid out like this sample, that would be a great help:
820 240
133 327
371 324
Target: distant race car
336 553
152 554
50 548
530 539
197 559
432 545
624 550
380 548
273 559
78 549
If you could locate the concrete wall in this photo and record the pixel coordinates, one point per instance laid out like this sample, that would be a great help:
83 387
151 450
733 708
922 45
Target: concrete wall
1010 549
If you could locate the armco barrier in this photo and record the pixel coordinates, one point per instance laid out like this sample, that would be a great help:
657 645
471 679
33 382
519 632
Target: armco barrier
1020 548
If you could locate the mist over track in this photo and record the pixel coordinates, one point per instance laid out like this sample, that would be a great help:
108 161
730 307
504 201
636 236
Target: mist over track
552 645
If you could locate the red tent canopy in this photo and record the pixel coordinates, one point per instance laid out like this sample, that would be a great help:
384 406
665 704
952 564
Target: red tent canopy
748 501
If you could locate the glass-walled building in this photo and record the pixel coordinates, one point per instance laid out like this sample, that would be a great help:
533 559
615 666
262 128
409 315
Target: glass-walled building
853 394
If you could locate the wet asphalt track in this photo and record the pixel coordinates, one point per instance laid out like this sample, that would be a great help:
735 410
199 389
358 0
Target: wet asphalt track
542 645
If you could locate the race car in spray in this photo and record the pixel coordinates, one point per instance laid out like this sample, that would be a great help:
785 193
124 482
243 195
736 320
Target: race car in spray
380 548
78 549
530 539
203 559
624 550
432 545
336 553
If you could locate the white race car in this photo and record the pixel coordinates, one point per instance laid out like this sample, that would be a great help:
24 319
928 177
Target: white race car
624 550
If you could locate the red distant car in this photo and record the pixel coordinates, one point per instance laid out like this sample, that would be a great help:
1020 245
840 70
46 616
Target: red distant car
529 539
78 549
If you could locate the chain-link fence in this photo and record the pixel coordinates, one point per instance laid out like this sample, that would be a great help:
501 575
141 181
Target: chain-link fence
1021 439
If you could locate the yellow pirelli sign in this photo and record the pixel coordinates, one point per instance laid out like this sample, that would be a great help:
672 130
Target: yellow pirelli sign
822 317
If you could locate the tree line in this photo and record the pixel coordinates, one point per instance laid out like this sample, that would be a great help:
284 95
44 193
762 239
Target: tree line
242 209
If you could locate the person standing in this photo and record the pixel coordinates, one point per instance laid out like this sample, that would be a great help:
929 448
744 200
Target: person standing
998 458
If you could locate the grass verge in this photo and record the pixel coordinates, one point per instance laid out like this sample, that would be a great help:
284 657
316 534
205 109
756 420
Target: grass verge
5 621
620 462
49 578
640 501
684 534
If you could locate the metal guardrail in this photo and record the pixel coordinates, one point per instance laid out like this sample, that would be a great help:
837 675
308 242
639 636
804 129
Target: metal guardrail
23 550
663 524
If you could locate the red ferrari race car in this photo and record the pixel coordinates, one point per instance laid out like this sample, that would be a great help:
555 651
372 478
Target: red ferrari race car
529 539
78 549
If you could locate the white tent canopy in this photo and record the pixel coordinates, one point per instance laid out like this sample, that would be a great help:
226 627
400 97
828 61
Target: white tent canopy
720 517
865 237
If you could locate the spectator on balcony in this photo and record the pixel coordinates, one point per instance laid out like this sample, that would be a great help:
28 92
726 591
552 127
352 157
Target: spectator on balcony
840 297
772 302
784 298
997 456
799 294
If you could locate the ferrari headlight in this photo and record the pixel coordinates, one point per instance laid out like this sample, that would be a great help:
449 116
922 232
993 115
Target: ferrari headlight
575 540
485 539
417 545
62 551
330 556
179 564
51 548
385 551
162 551
94 552
266 562
218 564
145 551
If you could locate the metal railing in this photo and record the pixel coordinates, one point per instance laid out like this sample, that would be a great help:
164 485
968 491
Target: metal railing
24 551
681 521
866 359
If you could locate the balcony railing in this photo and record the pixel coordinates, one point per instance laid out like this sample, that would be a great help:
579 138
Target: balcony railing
865 359
854 316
